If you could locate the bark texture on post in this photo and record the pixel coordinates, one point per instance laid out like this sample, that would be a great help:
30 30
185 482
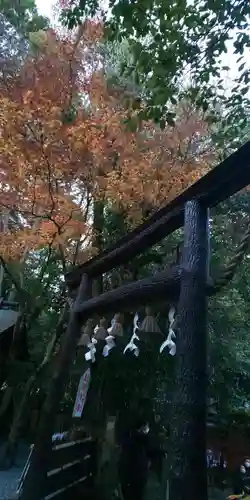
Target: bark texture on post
188 458
34 485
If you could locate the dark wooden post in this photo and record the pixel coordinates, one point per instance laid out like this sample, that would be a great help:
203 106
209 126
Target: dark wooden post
188 457
208 244
35 483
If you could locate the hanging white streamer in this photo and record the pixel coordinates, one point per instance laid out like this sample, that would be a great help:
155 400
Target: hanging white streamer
110 343
90 355
169 342
113 322
131 346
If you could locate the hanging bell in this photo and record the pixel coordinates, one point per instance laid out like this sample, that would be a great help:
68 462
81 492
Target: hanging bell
101 330
116 329
88 333
150 324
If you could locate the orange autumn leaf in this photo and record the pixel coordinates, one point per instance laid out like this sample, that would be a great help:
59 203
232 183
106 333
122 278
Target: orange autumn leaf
63 139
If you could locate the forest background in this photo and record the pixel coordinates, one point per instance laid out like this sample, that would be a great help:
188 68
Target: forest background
94 138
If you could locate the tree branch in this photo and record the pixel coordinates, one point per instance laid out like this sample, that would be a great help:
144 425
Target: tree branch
21 291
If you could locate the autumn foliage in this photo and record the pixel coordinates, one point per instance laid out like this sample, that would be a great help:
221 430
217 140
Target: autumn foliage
64 142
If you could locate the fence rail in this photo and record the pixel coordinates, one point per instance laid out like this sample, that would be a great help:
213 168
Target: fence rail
71 470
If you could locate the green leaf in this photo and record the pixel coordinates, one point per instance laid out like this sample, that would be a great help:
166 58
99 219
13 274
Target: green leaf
242 66
245 90
160 98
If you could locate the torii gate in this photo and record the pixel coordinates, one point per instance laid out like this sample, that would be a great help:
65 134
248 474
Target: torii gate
189 284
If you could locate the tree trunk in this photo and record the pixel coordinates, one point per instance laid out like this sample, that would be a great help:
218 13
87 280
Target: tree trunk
36 477
19 350
98 224
20 414
188 457
1 279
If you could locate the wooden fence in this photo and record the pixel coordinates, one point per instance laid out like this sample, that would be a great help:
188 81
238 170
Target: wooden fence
71 471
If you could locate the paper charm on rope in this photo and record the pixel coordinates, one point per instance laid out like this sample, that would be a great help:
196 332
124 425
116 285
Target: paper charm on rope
131 346
110 343
90 355
112 324
169 342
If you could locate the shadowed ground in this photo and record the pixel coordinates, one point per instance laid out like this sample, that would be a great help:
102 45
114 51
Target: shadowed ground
9 478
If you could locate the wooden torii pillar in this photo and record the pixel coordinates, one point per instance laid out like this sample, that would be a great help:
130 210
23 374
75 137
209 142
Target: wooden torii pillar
35 483
189 416
188 458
